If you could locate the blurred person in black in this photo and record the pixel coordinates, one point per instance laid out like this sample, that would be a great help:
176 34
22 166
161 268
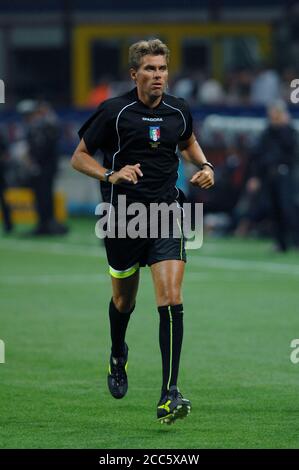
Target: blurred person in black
274 161
6 215
42 135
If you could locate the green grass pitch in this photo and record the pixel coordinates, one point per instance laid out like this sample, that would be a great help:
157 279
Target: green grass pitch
241 314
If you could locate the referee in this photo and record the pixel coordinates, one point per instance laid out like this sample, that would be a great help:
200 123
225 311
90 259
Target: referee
139 134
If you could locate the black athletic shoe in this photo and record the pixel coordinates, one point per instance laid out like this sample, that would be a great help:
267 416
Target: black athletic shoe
173 406
117 375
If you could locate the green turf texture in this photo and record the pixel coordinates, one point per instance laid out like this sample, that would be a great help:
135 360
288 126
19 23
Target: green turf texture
241 314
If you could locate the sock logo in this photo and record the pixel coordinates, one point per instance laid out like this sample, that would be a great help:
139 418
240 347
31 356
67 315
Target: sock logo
2 352
165 406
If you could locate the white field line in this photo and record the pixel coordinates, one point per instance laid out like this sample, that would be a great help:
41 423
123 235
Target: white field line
195 260
53 248
65 279
245 265
45 279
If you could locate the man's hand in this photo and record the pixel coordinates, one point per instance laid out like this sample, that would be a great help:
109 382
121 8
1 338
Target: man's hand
128 173
253 185
203 178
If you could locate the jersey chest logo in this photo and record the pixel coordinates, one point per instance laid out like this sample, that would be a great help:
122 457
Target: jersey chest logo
154 133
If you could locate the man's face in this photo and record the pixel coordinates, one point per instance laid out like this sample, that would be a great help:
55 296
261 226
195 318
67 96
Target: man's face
277 117
151 76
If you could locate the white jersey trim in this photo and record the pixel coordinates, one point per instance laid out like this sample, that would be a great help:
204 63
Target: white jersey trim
177 109
113 158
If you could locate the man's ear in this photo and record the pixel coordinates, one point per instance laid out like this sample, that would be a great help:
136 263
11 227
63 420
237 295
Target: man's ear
133 73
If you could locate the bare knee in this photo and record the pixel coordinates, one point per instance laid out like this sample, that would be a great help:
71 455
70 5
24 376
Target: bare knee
170 297
123 303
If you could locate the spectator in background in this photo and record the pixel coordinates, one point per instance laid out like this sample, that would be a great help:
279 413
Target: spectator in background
184 87
275 158
42 134
6 215
210 92
101 92
252 209
265 88
239 87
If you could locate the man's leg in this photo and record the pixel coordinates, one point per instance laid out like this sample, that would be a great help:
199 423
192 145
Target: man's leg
39 187
5 209
288 209
279 225
168 277
121 306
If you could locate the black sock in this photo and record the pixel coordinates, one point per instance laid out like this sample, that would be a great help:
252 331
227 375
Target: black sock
170 338
118 326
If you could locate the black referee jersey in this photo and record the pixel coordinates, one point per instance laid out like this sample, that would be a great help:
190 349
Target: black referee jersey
128 132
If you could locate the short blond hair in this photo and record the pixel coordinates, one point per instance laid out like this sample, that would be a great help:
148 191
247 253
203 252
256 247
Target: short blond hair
141 48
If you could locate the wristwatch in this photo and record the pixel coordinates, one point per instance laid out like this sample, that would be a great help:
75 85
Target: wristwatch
208 164
107 174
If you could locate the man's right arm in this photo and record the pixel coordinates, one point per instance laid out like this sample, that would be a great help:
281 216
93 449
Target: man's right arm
82 161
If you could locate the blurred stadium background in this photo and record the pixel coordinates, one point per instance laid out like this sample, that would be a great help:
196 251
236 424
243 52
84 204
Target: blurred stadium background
230 60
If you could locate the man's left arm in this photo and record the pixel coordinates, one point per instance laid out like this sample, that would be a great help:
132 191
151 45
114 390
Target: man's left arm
192 152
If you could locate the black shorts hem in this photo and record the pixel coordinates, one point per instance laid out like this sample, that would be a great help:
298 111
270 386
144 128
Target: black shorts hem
165 259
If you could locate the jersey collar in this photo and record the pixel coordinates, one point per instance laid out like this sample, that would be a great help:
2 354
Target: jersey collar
135 96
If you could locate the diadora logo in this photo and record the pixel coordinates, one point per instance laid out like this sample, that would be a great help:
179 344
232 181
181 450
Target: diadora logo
152 119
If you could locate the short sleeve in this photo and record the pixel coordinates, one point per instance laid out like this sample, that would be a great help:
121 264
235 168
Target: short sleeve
188 121
96 130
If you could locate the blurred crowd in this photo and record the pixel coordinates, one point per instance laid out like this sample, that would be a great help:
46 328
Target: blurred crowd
252 86
257 181
251 82
259 86
32 161
257 174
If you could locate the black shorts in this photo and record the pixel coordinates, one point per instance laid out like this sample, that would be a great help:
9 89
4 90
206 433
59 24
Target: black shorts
126 255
